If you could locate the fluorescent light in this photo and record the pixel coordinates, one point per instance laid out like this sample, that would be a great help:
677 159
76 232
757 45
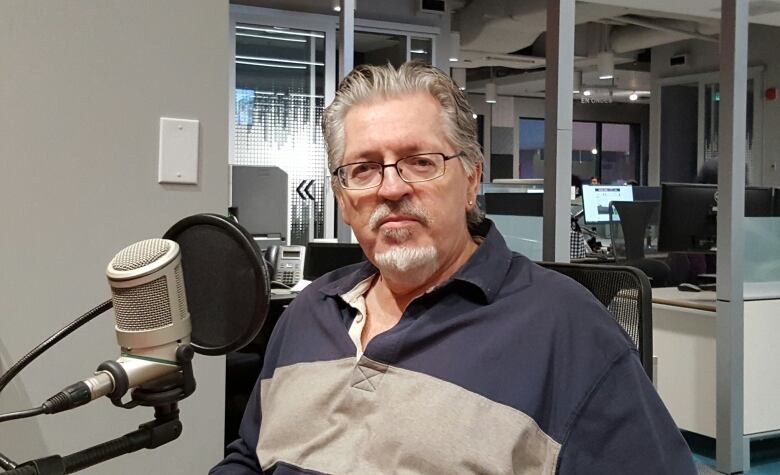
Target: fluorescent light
490 93
294 40
643 92
250 63
606 64
307 95
633 97
279 60
265 93
418 51
280 32
454 46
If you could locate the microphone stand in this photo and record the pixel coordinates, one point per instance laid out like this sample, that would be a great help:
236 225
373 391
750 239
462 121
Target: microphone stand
165 427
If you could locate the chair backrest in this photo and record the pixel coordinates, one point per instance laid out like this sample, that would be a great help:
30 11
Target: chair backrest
625 292
629 222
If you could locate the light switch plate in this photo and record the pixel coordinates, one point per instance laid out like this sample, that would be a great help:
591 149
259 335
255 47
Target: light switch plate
178 160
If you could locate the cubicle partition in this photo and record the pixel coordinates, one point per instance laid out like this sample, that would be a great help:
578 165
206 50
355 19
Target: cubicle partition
518 216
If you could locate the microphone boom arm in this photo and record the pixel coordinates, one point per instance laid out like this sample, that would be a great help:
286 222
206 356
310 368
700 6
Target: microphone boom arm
165 427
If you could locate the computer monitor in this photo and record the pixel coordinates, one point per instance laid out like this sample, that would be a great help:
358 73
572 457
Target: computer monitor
323 257
515 204
776 205
758 201
647 193
596 200
689 214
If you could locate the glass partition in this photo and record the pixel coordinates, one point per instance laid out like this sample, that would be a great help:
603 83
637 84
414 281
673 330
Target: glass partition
280 84
762 250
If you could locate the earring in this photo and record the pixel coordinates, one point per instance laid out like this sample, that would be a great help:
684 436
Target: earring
471 202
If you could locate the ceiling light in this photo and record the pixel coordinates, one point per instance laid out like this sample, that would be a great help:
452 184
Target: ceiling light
595 151
279 31
294 40
633 97
586 92
490 93
454 46
606 64
278 60
459 76
336 6
646 93
418 51
267 65
474 116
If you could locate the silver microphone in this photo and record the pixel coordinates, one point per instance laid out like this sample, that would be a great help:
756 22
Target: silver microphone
152 322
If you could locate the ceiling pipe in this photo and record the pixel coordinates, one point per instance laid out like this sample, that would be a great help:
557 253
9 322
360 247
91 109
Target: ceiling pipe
666 27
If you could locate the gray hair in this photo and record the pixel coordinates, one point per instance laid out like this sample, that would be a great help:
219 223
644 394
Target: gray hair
366 83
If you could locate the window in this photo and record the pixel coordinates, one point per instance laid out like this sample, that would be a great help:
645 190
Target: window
280 84
604 150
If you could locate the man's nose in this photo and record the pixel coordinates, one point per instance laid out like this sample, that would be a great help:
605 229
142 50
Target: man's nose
393 187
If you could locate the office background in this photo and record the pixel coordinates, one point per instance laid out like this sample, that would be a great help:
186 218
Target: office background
82 87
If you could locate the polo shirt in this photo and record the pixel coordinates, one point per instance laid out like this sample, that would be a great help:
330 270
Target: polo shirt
507 367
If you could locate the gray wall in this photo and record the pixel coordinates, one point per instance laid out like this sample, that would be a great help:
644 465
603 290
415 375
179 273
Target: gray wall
763 44
82 88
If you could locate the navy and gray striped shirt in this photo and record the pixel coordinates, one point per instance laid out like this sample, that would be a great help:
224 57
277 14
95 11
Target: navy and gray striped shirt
505 368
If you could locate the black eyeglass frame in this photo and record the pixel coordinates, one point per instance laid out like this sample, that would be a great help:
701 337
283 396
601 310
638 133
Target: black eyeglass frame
395 165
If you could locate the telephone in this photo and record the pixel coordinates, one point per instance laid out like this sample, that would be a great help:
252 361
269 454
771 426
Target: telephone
285 263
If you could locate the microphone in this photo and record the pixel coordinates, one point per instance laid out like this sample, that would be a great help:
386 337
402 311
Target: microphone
153 326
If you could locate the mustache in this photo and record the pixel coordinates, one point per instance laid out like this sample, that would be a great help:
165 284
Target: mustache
404 207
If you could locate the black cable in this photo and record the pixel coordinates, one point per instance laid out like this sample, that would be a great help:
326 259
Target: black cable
10 416
6 463
51 341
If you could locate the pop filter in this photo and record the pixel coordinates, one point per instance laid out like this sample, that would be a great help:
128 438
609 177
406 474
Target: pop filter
226 282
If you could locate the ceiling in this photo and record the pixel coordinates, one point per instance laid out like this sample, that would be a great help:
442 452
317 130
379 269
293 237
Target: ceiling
504 40
765 12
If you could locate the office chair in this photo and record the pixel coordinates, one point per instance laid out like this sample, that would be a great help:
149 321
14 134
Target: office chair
629 222
625 292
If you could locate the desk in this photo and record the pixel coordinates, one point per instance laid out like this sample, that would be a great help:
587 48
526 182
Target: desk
684 334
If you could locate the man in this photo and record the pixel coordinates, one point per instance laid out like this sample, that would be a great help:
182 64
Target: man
445 353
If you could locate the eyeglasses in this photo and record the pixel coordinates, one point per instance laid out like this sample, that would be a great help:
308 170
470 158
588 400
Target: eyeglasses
411 169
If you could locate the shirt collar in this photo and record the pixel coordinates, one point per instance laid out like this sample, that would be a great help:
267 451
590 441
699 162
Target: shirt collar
485 269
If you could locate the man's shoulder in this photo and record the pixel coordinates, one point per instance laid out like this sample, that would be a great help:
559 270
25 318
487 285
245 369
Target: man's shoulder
560 304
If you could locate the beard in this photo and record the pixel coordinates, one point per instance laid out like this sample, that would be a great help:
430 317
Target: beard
402 258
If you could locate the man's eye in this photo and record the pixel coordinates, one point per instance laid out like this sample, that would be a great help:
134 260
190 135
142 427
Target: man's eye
362 169
421 162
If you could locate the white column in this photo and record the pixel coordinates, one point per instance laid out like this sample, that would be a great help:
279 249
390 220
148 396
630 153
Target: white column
558 130
346 59
731 456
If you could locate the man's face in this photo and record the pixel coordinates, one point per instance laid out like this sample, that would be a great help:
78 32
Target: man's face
420 216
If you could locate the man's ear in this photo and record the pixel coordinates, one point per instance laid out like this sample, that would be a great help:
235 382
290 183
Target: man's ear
474 181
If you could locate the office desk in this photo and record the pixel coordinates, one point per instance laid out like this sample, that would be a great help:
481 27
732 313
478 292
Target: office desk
684 334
